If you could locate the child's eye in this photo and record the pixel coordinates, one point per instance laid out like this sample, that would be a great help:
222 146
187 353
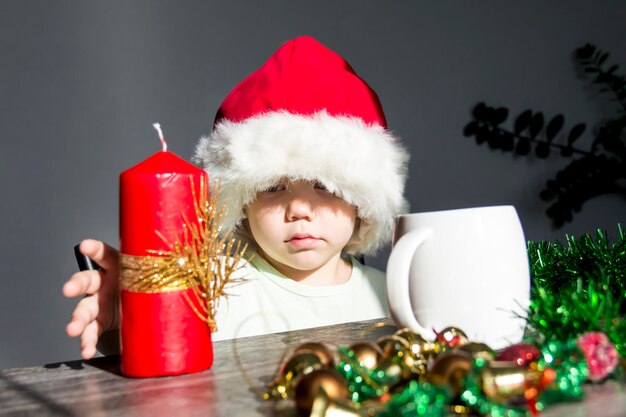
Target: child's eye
274 188
319 186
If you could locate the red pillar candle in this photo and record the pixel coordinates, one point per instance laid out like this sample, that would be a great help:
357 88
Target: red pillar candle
160 332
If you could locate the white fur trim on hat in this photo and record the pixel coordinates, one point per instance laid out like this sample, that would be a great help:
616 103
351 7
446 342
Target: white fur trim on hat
363 164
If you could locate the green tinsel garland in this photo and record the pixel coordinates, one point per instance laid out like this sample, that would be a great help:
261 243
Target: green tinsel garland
571 371
363 383
578 287
418 399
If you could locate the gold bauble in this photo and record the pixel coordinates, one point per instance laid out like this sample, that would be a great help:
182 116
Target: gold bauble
309 386
397 350
296 366
503 380
323 406
390 344
449 369
325 353
478 350
394 372
452 337
409 335
460 410
417 343
367 354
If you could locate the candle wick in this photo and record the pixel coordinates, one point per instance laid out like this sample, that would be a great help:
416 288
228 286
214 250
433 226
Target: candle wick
157 126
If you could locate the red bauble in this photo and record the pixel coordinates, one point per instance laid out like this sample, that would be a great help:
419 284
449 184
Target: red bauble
600 354
522 354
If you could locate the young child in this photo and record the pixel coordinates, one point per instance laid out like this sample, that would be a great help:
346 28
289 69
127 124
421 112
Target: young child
311 177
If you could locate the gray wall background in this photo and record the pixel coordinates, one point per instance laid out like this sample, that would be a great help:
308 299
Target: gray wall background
81 82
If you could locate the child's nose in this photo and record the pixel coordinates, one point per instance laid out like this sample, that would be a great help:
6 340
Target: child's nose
299 207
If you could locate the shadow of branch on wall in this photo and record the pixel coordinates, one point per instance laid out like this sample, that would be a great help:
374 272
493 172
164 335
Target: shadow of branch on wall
599 170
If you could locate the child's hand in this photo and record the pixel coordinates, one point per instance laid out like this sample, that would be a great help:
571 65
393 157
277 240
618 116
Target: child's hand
98 310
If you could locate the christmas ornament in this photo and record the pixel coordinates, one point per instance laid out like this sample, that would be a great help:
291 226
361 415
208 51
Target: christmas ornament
389 344
323 351
452 337
450 369
521 353
366 354
417 344
477 350
500 388
324 406
310 385
398 351
297 365
504 381
600 354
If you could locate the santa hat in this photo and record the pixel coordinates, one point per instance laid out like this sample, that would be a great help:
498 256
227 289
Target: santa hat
306 115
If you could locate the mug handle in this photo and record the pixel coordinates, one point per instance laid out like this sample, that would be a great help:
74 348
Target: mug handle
398 268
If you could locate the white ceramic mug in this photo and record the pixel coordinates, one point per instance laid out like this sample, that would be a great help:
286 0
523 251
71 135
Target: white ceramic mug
466 268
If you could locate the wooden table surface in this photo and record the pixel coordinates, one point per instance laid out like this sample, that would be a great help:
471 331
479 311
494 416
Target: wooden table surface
96 388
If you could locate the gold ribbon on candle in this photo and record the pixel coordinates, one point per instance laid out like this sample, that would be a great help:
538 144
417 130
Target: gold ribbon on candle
202 260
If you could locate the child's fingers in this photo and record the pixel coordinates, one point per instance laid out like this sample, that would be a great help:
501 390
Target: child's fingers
89 339
74 328
104 255
81 283
84 314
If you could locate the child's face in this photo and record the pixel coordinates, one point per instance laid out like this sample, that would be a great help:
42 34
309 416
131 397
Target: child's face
300 225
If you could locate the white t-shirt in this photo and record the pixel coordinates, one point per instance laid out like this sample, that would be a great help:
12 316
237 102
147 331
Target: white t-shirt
268 302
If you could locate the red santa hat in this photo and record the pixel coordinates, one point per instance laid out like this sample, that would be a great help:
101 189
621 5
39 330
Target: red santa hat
306 115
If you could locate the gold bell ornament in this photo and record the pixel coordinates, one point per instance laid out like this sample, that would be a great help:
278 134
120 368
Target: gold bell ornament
327 355
450 369
367 354
478 350
419 345
297 365
504 381
452 337
397 350
324 406
309 386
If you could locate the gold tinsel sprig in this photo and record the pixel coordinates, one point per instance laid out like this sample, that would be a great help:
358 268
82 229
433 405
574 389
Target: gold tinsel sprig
203 260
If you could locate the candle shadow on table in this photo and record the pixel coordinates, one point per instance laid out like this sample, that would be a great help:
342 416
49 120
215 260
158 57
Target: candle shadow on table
75 365
109 364
51 406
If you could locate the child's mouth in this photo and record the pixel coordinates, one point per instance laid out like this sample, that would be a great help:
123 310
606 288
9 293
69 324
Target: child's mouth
303 240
